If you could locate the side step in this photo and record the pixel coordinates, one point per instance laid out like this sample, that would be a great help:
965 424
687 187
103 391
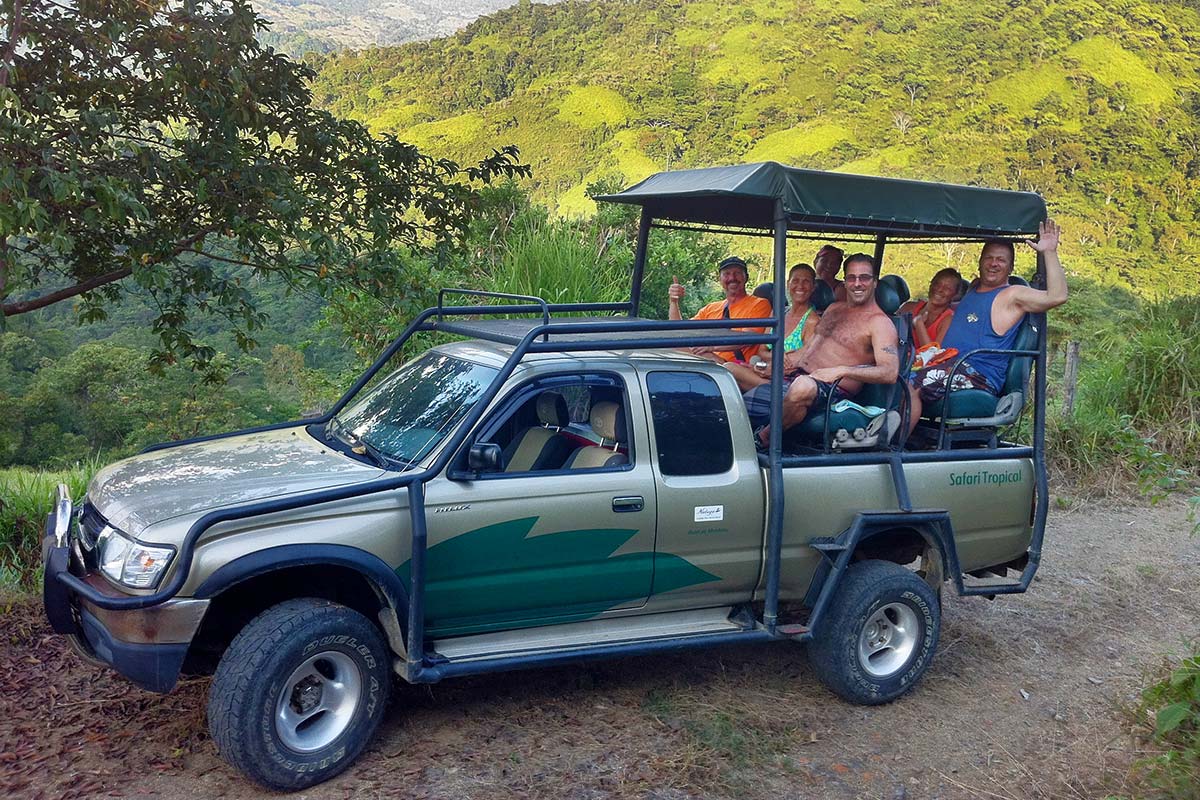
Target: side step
611 632
793 631
990 590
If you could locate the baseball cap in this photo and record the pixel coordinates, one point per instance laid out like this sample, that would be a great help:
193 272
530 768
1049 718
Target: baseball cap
733 261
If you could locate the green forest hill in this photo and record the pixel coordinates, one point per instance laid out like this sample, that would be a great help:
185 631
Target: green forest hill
1095 106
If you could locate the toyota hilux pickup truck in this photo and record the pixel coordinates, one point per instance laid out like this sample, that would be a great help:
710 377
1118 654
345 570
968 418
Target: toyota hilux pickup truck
554 483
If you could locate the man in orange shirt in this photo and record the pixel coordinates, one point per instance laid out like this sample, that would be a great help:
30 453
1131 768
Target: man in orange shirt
732 275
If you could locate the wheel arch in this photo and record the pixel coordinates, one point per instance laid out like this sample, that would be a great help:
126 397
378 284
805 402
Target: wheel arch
905 543
247 586
885 536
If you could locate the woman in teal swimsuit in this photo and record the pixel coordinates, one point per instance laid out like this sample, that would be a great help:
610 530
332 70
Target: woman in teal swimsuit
800 322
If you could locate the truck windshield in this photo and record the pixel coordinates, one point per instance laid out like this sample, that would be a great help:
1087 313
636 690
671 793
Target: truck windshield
412 410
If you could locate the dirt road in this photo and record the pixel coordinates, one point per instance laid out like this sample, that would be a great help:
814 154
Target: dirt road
1022 701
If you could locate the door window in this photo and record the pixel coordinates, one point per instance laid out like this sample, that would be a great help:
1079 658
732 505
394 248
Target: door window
562 422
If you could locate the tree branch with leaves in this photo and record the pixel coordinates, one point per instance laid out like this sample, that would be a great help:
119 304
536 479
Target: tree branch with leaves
158 144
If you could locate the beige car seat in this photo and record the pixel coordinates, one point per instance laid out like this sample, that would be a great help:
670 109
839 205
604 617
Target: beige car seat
608 422
541 447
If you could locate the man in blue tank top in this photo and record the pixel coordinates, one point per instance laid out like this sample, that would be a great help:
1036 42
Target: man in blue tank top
990 315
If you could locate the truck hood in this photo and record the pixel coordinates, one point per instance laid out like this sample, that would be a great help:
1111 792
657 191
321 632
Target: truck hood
193 478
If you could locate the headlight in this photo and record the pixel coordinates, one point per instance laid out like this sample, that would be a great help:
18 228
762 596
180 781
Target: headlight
130 562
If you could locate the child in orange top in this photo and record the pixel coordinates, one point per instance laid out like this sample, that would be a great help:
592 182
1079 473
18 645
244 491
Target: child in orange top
931 318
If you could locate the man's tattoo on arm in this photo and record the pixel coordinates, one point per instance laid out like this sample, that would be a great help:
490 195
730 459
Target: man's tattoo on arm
891 349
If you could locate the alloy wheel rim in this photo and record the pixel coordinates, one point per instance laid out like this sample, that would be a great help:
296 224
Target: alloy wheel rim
888 640
318 701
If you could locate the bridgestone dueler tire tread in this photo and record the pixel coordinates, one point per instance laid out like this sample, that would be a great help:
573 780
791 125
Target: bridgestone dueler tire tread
250 676
833 651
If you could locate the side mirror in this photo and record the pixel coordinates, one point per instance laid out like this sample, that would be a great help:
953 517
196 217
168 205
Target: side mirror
484 457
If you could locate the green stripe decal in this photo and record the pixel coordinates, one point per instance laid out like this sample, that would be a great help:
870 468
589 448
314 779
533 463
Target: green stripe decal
497 575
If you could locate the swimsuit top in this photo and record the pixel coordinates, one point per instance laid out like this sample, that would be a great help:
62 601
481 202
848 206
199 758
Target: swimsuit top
795 339
936 322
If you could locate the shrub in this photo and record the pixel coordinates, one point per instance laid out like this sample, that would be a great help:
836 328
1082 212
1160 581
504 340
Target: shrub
558 261
1169 724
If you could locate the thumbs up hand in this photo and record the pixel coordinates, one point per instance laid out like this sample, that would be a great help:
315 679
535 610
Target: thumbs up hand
676 292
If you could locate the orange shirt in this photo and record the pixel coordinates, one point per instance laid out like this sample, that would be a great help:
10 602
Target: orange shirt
748 307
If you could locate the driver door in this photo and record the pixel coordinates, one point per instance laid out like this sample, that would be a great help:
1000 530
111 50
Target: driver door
554 544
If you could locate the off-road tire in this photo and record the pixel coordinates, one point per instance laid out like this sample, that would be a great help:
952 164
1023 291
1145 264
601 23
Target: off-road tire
248 691
879 593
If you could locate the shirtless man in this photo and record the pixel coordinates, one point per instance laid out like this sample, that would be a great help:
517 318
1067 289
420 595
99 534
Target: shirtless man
855 342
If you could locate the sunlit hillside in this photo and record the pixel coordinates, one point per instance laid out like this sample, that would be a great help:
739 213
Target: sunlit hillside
1093 105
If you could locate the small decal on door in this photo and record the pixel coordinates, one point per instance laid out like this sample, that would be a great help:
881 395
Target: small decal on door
709 513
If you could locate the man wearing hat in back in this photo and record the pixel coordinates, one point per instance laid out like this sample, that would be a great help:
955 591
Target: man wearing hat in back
732 275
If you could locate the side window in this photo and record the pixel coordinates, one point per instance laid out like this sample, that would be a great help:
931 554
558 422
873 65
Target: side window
561 422
690 424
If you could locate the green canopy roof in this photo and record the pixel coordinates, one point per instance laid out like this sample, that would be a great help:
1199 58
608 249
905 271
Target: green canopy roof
744 196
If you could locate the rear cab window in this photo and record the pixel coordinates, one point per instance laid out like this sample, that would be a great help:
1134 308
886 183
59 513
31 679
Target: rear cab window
691 424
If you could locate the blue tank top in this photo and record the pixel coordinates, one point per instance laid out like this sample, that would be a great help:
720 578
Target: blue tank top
971 328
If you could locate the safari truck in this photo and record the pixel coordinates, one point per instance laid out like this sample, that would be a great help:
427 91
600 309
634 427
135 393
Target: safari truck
563 482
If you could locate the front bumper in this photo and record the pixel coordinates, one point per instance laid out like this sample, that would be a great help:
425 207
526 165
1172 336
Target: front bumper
146 645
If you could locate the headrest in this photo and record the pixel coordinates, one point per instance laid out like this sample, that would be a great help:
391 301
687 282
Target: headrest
608 421
552 409
822 296
887 298
899 284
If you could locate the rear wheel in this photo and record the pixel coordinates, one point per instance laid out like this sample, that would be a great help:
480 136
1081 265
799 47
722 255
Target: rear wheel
878 635
299 693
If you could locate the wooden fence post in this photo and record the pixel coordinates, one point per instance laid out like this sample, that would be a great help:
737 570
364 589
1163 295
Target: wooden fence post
1070 379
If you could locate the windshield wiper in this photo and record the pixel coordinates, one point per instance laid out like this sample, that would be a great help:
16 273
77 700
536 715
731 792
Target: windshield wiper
362 447
358 445
331 429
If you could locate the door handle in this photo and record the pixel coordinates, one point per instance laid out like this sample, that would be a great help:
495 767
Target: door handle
626 504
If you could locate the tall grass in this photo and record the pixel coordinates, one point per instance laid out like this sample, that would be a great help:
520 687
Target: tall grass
26 497
1137 418
559 261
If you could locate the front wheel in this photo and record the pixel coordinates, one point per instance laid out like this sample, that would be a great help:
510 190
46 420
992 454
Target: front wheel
299 693
878 635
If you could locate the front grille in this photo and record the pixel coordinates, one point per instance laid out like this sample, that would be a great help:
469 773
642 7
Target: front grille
91 523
